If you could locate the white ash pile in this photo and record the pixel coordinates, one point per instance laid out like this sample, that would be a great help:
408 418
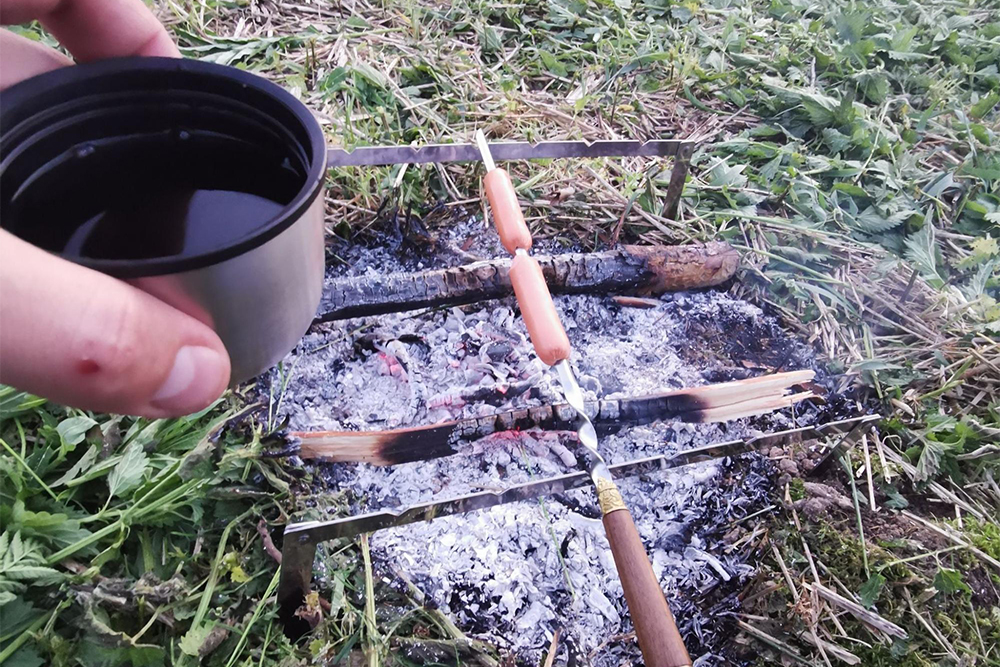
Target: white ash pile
513 574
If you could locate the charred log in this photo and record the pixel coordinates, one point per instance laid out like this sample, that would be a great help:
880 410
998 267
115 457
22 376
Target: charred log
711 403
628 269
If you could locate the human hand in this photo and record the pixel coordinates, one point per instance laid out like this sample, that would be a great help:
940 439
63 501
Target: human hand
72 334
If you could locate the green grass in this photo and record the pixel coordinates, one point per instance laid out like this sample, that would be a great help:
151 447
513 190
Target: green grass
850 152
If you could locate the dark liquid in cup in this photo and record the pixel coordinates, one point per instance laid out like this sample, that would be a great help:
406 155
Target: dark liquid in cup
163 195
170 222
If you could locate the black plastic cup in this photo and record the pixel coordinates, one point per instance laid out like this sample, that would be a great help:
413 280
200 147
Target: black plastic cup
198 183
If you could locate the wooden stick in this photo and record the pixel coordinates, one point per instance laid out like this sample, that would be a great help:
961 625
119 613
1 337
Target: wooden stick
710 403
655 628
628 269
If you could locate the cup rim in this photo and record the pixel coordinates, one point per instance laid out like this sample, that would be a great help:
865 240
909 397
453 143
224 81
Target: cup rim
25 91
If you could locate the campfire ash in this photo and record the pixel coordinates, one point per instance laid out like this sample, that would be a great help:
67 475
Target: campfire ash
513 574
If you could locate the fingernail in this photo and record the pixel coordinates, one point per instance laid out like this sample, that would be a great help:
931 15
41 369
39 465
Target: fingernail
194 381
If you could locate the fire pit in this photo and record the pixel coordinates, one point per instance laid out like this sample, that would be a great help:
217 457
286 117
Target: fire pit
514 574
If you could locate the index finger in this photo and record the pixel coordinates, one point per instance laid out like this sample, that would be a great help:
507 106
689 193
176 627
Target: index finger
95 29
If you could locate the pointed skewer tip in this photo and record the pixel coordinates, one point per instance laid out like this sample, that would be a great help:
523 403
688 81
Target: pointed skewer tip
484 151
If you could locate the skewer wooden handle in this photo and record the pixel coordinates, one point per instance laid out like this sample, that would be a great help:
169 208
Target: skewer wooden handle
655 628
537 310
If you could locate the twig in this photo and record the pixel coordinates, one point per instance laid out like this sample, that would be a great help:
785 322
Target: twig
846 460
652 269
258 610
866 616
868 471
268 543
622 637
786 573
933 631
659 222
553 647
886 473
772 641
954 538
838 652
935 487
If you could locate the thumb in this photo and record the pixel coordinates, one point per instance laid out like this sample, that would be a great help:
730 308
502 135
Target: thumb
85 339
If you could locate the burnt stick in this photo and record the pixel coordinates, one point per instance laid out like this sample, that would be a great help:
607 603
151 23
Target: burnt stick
651 269
709 403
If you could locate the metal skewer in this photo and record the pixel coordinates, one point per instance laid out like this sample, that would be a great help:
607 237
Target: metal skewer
655 628
301 539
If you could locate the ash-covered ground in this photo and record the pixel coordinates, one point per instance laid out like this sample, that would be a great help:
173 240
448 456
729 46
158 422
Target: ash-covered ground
514 574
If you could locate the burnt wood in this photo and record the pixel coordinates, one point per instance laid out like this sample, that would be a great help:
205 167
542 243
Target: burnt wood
709 403
627 269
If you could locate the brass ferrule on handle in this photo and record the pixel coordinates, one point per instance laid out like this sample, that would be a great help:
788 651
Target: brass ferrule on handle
609 498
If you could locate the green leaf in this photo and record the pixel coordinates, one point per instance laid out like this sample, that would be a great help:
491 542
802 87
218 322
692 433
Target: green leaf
902 39
723 175
985 173
489 40
939 185
818 113
14 402
56 530
552 63
231 50
337 597
921 250
930 461
128 473
231 561
26 656
23 564
74 430
983 135
16 615
335 80
194 639
874 86
356 21
894 499
977 286
981 250
950 581
850 189
874 365
871 589
872 221
198 462
99 655
144 433
984 105
84 463
33 574
372 75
